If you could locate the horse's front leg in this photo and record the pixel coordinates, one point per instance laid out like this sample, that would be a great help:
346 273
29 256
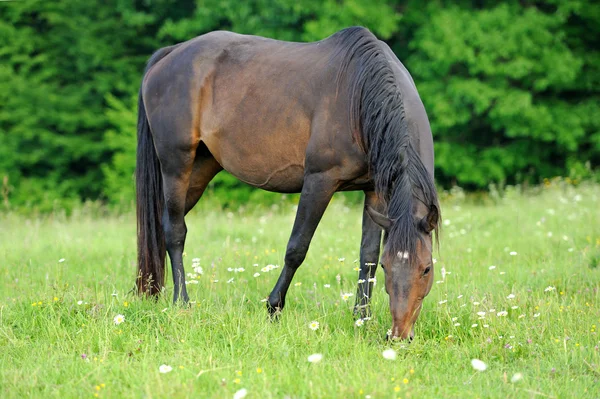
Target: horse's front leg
369 256
316 193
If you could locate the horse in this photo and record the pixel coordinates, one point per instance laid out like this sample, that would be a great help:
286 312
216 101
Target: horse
339 114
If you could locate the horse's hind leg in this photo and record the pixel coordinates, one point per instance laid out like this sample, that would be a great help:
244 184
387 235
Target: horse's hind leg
176 171
186 174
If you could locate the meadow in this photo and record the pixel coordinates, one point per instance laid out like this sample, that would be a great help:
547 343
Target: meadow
516 286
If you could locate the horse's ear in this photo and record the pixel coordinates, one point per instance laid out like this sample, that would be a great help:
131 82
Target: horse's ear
430 222
383 221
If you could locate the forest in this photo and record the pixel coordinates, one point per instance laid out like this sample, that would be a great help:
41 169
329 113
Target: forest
512 88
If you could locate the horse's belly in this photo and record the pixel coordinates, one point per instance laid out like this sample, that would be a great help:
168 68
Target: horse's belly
274 164
285 179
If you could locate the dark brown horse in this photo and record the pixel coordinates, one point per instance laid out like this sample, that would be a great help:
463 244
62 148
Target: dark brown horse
314 118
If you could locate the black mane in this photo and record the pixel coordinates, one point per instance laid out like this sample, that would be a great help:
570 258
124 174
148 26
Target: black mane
378 121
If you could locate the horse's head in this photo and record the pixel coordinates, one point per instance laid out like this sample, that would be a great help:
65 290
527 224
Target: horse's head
408 273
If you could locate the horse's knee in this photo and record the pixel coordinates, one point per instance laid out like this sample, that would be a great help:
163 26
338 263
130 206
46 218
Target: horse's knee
294 256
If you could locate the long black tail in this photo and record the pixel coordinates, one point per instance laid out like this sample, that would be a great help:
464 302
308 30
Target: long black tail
149 201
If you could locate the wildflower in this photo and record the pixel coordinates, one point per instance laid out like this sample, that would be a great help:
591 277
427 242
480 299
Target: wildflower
346 296
389 354
80 302
502 313
315 358
119 319
61 260
478 365
460 296
359 323
298 284
405 381
549 288
338 278
256 274
361 281
259 370
356 269
163 369
536 315
327 285
442 301
341 259
521 316
513 253
474 325
516 377
240 394
373 280
514 307
476 303
313 325
230 281
492 267
84 356
511 296
481 314
456 324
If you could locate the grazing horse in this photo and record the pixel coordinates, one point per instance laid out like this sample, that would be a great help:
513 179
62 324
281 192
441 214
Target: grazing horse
339 114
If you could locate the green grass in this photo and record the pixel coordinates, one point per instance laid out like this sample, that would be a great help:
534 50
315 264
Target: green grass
224 341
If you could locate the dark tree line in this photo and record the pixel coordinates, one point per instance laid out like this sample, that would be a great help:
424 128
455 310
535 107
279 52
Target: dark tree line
512 88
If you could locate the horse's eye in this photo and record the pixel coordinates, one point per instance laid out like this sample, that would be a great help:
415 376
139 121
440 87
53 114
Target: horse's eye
426 271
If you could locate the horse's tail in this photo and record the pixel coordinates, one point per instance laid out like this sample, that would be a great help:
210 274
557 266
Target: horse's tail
149 201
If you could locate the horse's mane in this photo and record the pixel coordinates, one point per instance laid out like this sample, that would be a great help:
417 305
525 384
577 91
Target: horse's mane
378 122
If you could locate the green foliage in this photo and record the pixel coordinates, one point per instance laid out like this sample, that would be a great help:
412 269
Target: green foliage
511 88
